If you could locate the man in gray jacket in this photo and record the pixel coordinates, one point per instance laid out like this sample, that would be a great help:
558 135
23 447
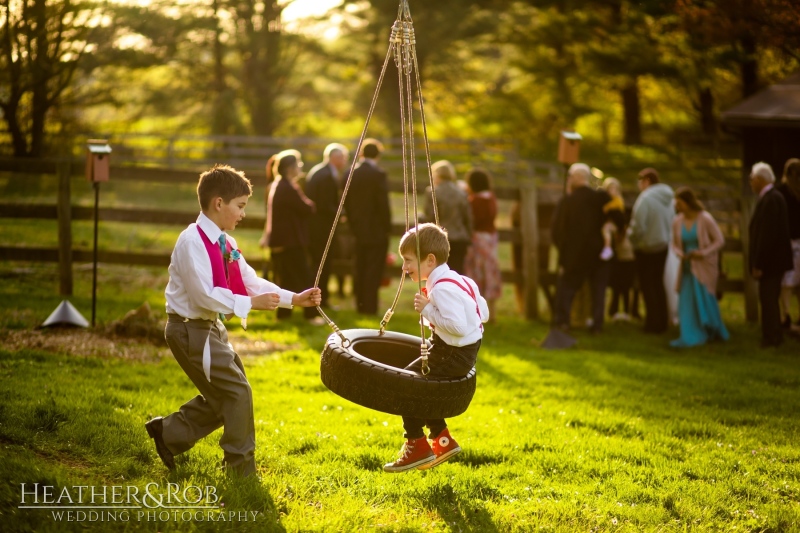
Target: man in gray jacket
650 228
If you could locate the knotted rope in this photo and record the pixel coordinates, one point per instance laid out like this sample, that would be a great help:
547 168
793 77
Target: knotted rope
402 47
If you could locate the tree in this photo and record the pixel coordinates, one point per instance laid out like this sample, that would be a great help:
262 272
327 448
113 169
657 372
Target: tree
745 27
442 30
71 54
41 45
258 39
624 46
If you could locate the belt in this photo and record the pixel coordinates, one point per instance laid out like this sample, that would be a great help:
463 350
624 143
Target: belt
172 317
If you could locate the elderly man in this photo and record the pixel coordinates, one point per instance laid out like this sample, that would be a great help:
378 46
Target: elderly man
770 252
650 229
577 225
322 187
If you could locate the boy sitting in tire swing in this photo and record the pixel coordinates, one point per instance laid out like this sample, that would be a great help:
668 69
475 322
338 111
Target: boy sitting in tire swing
455 311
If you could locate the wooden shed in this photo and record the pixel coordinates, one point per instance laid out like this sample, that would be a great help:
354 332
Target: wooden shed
769 125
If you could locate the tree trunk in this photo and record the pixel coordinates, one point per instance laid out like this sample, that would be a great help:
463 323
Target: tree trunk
633 113
41 75
749 66
707 117
264 75
223 111
10 115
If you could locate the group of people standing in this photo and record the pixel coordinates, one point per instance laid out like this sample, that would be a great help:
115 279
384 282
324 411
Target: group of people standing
467 211
302 210
598 244
300 220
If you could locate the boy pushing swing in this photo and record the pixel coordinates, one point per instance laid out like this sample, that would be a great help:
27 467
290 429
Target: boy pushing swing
210 281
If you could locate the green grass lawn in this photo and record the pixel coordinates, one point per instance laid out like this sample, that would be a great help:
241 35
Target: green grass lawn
620 434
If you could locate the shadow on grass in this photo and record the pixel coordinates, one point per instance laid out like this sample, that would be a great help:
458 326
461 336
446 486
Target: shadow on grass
474 458
632 386
460 510
238 498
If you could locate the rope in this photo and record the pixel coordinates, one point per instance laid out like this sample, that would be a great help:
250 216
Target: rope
390 312
398 61
402 47
345 341
425 136
408 41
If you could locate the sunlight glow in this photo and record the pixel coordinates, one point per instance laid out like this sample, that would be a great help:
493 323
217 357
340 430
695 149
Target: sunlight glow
299 9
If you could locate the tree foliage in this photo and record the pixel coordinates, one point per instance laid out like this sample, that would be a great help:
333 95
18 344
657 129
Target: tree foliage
522 69
41 46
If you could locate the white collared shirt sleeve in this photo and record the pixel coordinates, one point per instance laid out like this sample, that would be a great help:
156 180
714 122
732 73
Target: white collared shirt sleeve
256 285
192 268
446 310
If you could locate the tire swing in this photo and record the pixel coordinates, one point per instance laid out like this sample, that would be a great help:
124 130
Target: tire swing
367 366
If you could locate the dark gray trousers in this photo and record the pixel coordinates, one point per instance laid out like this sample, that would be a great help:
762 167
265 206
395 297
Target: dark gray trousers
444 361
226 401
769 293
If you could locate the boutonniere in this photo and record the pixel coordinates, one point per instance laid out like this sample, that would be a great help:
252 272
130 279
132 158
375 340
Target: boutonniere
232 256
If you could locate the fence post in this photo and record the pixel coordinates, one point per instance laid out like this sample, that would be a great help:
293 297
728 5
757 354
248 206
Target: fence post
64 171
750 285
529 228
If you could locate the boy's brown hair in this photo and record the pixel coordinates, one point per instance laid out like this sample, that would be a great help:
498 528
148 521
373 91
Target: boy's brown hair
432 240
222 181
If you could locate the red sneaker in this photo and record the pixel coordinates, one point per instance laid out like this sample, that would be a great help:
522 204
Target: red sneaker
444 447
413 454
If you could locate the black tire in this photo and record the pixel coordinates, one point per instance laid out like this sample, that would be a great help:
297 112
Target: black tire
370 372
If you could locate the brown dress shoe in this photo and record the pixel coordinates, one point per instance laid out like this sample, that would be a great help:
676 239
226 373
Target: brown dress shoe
154 429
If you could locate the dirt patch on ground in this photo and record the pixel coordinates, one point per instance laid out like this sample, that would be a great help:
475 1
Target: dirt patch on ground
141 324
254 348
80 342
88 343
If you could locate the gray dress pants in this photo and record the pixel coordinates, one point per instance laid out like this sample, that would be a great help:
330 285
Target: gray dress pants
226 401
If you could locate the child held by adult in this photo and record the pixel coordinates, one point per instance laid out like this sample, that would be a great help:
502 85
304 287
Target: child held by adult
623 267
211 281
455 310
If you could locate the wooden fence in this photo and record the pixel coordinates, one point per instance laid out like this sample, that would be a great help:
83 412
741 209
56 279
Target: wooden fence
190 152
531 237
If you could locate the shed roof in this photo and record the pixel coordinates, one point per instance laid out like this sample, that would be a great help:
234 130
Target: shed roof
776 106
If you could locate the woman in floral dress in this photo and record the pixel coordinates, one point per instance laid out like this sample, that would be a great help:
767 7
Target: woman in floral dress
481 263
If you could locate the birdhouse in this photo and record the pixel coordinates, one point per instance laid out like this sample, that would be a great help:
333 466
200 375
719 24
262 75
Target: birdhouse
97 155
569 147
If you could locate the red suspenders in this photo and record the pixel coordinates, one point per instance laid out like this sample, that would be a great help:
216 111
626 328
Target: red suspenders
466 289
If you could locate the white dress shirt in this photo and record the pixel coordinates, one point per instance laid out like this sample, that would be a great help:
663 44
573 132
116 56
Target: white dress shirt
191 293
451 310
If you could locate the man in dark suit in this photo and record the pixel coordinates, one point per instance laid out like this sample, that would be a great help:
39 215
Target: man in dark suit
770 251
322 187
576 225
370 219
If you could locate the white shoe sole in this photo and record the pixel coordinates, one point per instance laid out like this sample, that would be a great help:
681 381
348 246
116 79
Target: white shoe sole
411 466
442 458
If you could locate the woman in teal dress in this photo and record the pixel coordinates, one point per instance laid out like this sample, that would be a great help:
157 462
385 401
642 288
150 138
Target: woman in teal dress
697 240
